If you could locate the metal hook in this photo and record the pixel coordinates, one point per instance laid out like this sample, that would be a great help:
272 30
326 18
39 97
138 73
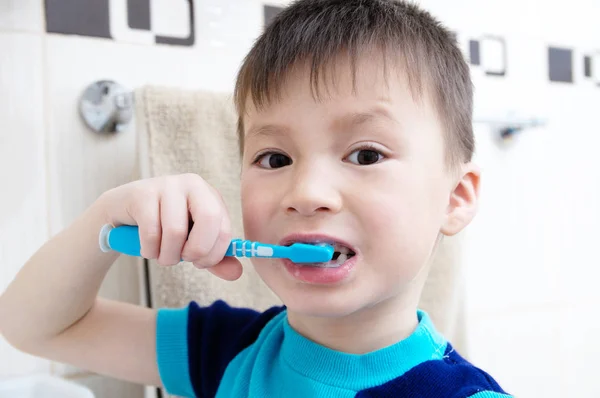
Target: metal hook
106 107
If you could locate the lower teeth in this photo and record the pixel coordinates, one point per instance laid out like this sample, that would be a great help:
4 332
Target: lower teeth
341 259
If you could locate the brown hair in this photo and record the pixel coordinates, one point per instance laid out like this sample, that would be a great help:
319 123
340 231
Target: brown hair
315 32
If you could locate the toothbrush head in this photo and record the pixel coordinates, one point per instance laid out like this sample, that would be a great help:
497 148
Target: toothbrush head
310 254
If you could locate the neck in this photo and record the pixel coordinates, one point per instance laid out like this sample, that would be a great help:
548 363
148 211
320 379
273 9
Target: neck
371 328
361 332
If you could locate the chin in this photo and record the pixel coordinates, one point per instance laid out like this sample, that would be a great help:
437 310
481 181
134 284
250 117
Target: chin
326 303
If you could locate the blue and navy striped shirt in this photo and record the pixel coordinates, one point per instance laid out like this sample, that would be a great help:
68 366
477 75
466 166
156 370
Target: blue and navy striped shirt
220 351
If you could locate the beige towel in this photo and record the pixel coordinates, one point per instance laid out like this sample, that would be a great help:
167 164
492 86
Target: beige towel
193 131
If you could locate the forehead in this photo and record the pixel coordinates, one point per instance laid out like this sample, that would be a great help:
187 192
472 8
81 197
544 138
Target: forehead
372 86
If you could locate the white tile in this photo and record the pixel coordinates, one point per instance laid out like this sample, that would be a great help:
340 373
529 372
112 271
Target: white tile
22 15
489 17
512 246
23 218
23 212
580 328
225 31
277 3
170 18
450 14
493 57
543 19
572 24
595 72
520 351
577 189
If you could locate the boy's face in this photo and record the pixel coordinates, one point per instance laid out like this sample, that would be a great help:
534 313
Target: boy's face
366 168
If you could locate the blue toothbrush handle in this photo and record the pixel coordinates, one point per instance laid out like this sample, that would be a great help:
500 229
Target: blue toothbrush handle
126 239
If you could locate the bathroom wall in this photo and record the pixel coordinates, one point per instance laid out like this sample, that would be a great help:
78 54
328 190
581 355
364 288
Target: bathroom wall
51 166
530 271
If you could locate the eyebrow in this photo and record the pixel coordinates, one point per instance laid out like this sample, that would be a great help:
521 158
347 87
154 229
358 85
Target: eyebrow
352 119
267 130
358 118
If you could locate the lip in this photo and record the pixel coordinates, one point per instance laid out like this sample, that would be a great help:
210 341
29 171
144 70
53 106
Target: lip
315 238
321 276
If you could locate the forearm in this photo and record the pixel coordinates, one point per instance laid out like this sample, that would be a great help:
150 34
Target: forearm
58 285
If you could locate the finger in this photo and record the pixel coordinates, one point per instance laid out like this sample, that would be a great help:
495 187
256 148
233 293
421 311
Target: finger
174 221
145 214
220 247
230 269
206 212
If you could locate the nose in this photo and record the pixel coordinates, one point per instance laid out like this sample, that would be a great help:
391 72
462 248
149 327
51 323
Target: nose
311 191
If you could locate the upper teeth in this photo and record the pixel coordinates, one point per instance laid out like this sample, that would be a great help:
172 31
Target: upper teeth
337 247
342 249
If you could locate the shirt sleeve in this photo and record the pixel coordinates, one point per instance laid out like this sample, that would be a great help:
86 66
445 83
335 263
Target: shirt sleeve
195 344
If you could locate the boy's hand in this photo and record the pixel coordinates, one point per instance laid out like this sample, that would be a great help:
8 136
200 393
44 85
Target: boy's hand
163 209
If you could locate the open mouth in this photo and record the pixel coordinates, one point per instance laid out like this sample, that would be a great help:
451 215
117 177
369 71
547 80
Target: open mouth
341 254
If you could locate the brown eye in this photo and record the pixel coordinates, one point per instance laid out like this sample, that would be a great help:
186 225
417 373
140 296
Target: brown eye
273 160
365 157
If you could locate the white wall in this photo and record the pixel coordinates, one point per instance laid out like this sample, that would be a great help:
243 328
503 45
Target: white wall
52 167
529 263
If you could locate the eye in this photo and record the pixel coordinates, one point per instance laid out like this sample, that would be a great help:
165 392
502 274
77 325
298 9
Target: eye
366 156
272 160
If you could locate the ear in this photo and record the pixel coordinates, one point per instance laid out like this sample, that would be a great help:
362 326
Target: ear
463 202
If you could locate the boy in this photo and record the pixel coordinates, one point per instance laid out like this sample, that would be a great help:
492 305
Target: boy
355 129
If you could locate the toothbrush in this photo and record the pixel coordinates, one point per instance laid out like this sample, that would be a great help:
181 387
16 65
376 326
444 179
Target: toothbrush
125 239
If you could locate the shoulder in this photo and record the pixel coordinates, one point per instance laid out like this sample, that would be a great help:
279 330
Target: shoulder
449 377
195 344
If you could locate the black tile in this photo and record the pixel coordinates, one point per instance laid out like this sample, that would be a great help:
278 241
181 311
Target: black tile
587 66
138 14
186 41
270 12
560 64
474 52
78 17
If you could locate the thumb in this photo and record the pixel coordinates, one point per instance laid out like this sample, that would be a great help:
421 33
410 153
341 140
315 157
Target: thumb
230 269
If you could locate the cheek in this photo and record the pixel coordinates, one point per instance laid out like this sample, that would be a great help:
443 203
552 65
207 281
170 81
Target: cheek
255 211
408 197
251 216
405 219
